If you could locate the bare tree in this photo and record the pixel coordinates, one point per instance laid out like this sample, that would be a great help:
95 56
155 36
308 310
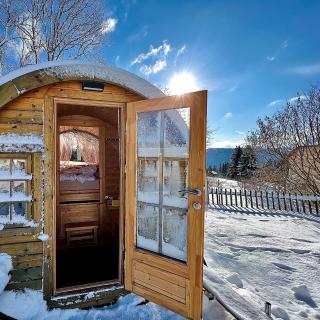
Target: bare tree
8 15
46 30
292 137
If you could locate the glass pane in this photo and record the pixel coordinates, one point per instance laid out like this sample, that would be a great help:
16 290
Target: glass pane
162 175
4 188
19 166
18 187
4 168
174 241
148 125
148 227
175 174
4 209
19 208
148 181
176 133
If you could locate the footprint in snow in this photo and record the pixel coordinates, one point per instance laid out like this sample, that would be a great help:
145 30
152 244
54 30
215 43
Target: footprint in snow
283 266
264 220
302 293
257 235
300 251
235 279
302 240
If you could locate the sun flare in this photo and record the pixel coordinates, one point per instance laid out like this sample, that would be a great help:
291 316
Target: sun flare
183 82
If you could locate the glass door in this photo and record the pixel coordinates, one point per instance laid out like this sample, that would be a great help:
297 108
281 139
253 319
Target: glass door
165 201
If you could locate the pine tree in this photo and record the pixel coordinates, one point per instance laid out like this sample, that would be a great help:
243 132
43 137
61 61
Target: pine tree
247 163
233 170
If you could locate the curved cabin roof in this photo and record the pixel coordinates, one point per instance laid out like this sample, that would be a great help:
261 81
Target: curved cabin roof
32 77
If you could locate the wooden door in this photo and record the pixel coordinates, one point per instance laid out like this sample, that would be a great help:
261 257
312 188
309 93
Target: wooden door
165 200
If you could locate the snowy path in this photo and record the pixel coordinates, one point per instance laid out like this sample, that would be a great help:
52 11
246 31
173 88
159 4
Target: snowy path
264 256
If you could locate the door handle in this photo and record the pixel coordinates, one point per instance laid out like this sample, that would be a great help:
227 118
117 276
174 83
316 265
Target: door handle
195 192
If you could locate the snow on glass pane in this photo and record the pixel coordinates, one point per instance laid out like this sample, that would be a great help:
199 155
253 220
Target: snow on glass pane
148 181
162 173
19 187
176 133
4 166
19 165
175 175
148 227
174 238
4 188
148 124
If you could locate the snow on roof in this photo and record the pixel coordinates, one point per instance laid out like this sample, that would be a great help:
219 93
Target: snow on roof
28 78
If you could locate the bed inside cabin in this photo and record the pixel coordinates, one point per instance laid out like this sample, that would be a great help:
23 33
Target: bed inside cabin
88 196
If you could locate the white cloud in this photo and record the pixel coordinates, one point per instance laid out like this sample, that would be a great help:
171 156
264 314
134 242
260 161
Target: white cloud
275 102
271 58
227 115
163 49
309 69
240 132
226 143
156 57
109 25
297 98
182 50
153 69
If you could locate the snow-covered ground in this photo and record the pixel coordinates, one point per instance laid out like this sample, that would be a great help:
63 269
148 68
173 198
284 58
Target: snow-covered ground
257 256
29 305
252 257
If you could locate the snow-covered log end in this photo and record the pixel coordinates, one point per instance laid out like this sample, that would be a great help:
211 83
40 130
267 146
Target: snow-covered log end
12 142
5 267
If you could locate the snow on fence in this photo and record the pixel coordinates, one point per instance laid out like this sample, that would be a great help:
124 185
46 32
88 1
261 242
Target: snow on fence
265 200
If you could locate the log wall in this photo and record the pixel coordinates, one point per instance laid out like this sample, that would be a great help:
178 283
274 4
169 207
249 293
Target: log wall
25 115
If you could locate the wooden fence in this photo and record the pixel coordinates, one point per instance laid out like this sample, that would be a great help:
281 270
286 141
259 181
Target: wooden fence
265 200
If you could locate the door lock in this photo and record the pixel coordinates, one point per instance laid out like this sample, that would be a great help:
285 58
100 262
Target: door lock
196 205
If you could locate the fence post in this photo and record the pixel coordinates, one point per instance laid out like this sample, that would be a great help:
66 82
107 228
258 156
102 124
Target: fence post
217 197
267 196
251 198
273 207
241 198
290 201
235 192
226 196
317 207
231 203
303 204
279 203
297 203
310 207
284 201
245 197
261 200
256 196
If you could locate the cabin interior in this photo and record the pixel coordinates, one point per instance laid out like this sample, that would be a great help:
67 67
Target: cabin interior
88 184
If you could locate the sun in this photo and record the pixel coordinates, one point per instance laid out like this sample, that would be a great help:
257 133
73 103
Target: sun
182 83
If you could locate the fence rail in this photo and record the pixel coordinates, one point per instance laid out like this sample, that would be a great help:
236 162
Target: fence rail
265 200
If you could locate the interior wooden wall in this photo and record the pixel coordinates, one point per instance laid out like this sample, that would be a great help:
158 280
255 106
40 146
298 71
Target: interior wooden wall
26 115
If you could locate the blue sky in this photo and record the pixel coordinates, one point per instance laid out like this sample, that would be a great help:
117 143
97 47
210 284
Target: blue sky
252 56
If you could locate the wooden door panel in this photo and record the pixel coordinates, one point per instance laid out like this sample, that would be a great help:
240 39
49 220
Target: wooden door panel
172 227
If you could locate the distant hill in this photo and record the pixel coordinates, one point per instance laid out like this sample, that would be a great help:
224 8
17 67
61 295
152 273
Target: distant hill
217 156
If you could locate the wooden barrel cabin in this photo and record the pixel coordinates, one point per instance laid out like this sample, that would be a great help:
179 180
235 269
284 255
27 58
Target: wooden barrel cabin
102 186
